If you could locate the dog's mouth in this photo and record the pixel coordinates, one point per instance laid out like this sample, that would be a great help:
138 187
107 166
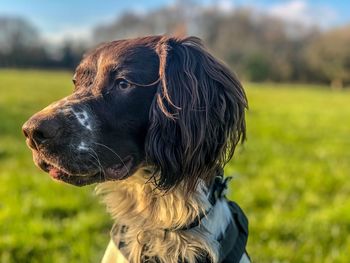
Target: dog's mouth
113 172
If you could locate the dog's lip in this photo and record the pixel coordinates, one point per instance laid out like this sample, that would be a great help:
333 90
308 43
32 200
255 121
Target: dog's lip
113 172
77 180
121 170
61 175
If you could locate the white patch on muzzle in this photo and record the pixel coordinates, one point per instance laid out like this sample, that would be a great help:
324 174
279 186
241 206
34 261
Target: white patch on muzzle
83 147
83 118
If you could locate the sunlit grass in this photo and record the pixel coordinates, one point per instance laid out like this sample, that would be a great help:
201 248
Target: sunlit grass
291 178
293 174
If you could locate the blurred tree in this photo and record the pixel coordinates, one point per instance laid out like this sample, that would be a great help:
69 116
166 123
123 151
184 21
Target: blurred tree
20 44
178 19
248 40
255 45
257 67
329 56
132 25
70 54
16 33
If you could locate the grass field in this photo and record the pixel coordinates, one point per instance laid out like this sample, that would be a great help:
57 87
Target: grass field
291 178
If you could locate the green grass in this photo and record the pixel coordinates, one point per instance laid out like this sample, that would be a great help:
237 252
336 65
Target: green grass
291 178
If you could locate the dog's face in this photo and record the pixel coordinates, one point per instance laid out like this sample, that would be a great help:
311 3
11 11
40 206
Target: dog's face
155 101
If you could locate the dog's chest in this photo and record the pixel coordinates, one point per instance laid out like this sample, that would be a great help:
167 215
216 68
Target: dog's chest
147 219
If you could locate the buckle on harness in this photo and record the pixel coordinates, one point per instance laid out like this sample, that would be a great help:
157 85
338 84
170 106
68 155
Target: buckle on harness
219 188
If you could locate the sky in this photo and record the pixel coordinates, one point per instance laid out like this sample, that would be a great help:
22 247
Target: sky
58 19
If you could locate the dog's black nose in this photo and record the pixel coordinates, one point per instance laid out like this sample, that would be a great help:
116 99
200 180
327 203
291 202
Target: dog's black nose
40 130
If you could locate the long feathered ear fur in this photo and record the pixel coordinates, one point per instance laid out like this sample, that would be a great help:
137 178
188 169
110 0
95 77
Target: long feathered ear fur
197 117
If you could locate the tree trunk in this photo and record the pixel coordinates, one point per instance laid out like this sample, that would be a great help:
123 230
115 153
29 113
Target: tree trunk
337 84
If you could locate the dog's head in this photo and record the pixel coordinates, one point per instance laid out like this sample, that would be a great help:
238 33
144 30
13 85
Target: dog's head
159 102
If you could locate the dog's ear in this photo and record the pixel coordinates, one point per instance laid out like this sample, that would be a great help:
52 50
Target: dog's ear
197 117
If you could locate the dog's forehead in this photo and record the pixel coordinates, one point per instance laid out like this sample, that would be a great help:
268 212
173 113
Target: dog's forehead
121 52
137 60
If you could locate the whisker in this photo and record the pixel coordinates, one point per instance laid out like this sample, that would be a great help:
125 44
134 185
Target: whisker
108 148
95 156
94 161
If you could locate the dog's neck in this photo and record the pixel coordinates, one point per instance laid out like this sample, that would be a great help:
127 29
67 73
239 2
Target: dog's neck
148 213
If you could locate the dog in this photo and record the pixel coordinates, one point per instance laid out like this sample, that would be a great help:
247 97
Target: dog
153 121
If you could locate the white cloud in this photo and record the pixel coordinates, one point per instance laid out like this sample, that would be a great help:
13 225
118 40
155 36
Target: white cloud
301 11
225 5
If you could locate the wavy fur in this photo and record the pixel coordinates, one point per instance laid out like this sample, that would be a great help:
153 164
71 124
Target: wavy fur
197 116
148 212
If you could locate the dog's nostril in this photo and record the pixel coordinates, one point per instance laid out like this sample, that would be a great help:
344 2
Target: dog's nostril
39 136
26 130
25 133
38 131
46 130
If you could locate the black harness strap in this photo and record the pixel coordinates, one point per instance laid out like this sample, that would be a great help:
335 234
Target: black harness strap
233 244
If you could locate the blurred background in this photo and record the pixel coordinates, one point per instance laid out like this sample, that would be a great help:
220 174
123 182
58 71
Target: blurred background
291 176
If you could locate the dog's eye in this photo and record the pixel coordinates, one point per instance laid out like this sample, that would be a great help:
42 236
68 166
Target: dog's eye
123 84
